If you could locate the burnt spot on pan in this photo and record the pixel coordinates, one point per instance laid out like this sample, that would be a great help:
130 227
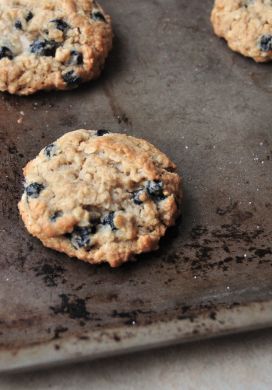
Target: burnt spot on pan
11 177
118 113
84 338
133 317
237 216
236 233
212 315
80 287
58 331
72 306
198 231
262 252
219 249
123 118
226 210
185 312
208 309
116 337
51 274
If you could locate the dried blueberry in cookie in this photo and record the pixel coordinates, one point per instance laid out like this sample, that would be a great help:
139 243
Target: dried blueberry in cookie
155 190
50 150
266 42
246 25
97 16
101 202
5 52
18 25
56 215
138 195
29 16
44 47
80 237
33 190
71 79
60 24
76 58
102 132
108 219
53 44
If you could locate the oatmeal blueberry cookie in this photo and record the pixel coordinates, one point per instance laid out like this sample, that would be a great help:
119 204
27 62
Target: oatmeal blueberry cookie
51 44
100 196
246 25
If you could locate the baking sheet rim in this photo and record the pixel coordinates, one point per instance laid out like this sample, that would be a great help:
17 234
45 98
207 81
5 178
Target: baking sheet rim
114 341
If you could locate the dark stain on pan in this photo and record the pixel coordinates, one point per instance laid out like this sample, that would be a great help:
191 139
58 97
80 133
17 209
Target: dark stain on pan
132 317
86 338
208 309
79 287
11 188
208 244
237 216
116 337
227 209
72 306
50 273
262 252
58 331
118 113
212 315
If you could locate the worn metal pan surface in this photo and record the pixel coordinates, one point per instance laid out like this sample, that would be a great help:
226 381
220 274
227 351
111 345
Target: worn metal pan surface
171 81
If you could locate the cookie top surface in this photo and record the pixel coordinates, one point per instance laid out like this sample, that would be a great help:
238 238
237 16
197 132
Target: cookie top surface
100 196
246 25
51 44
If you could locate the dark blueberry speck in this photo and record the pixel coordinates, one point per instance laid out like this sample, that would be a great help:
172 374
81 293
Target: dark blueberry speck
50 150
266 42
80 237
136 196
71 79
56 215
97 16
34 190
43 47
18 25
108 220
60 24
155 190
76 58
5 52
94 221
29 16
102 132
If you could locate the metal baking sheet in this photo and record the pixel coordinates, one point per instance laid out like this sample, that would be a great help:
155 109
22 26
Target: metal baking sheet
171 81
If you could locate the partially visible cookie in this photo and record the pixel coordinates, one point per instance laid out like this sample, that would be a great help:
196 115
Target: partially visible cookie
246 25
99 196
51 44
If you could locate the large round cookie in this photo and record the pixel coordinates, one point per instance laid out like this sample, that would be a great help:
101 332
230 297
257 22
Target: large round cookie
51 44
100 196
246 25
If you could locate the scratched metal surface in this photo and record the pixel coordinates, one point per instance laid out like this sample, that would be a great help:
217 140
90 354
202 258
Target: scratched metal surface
171 81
